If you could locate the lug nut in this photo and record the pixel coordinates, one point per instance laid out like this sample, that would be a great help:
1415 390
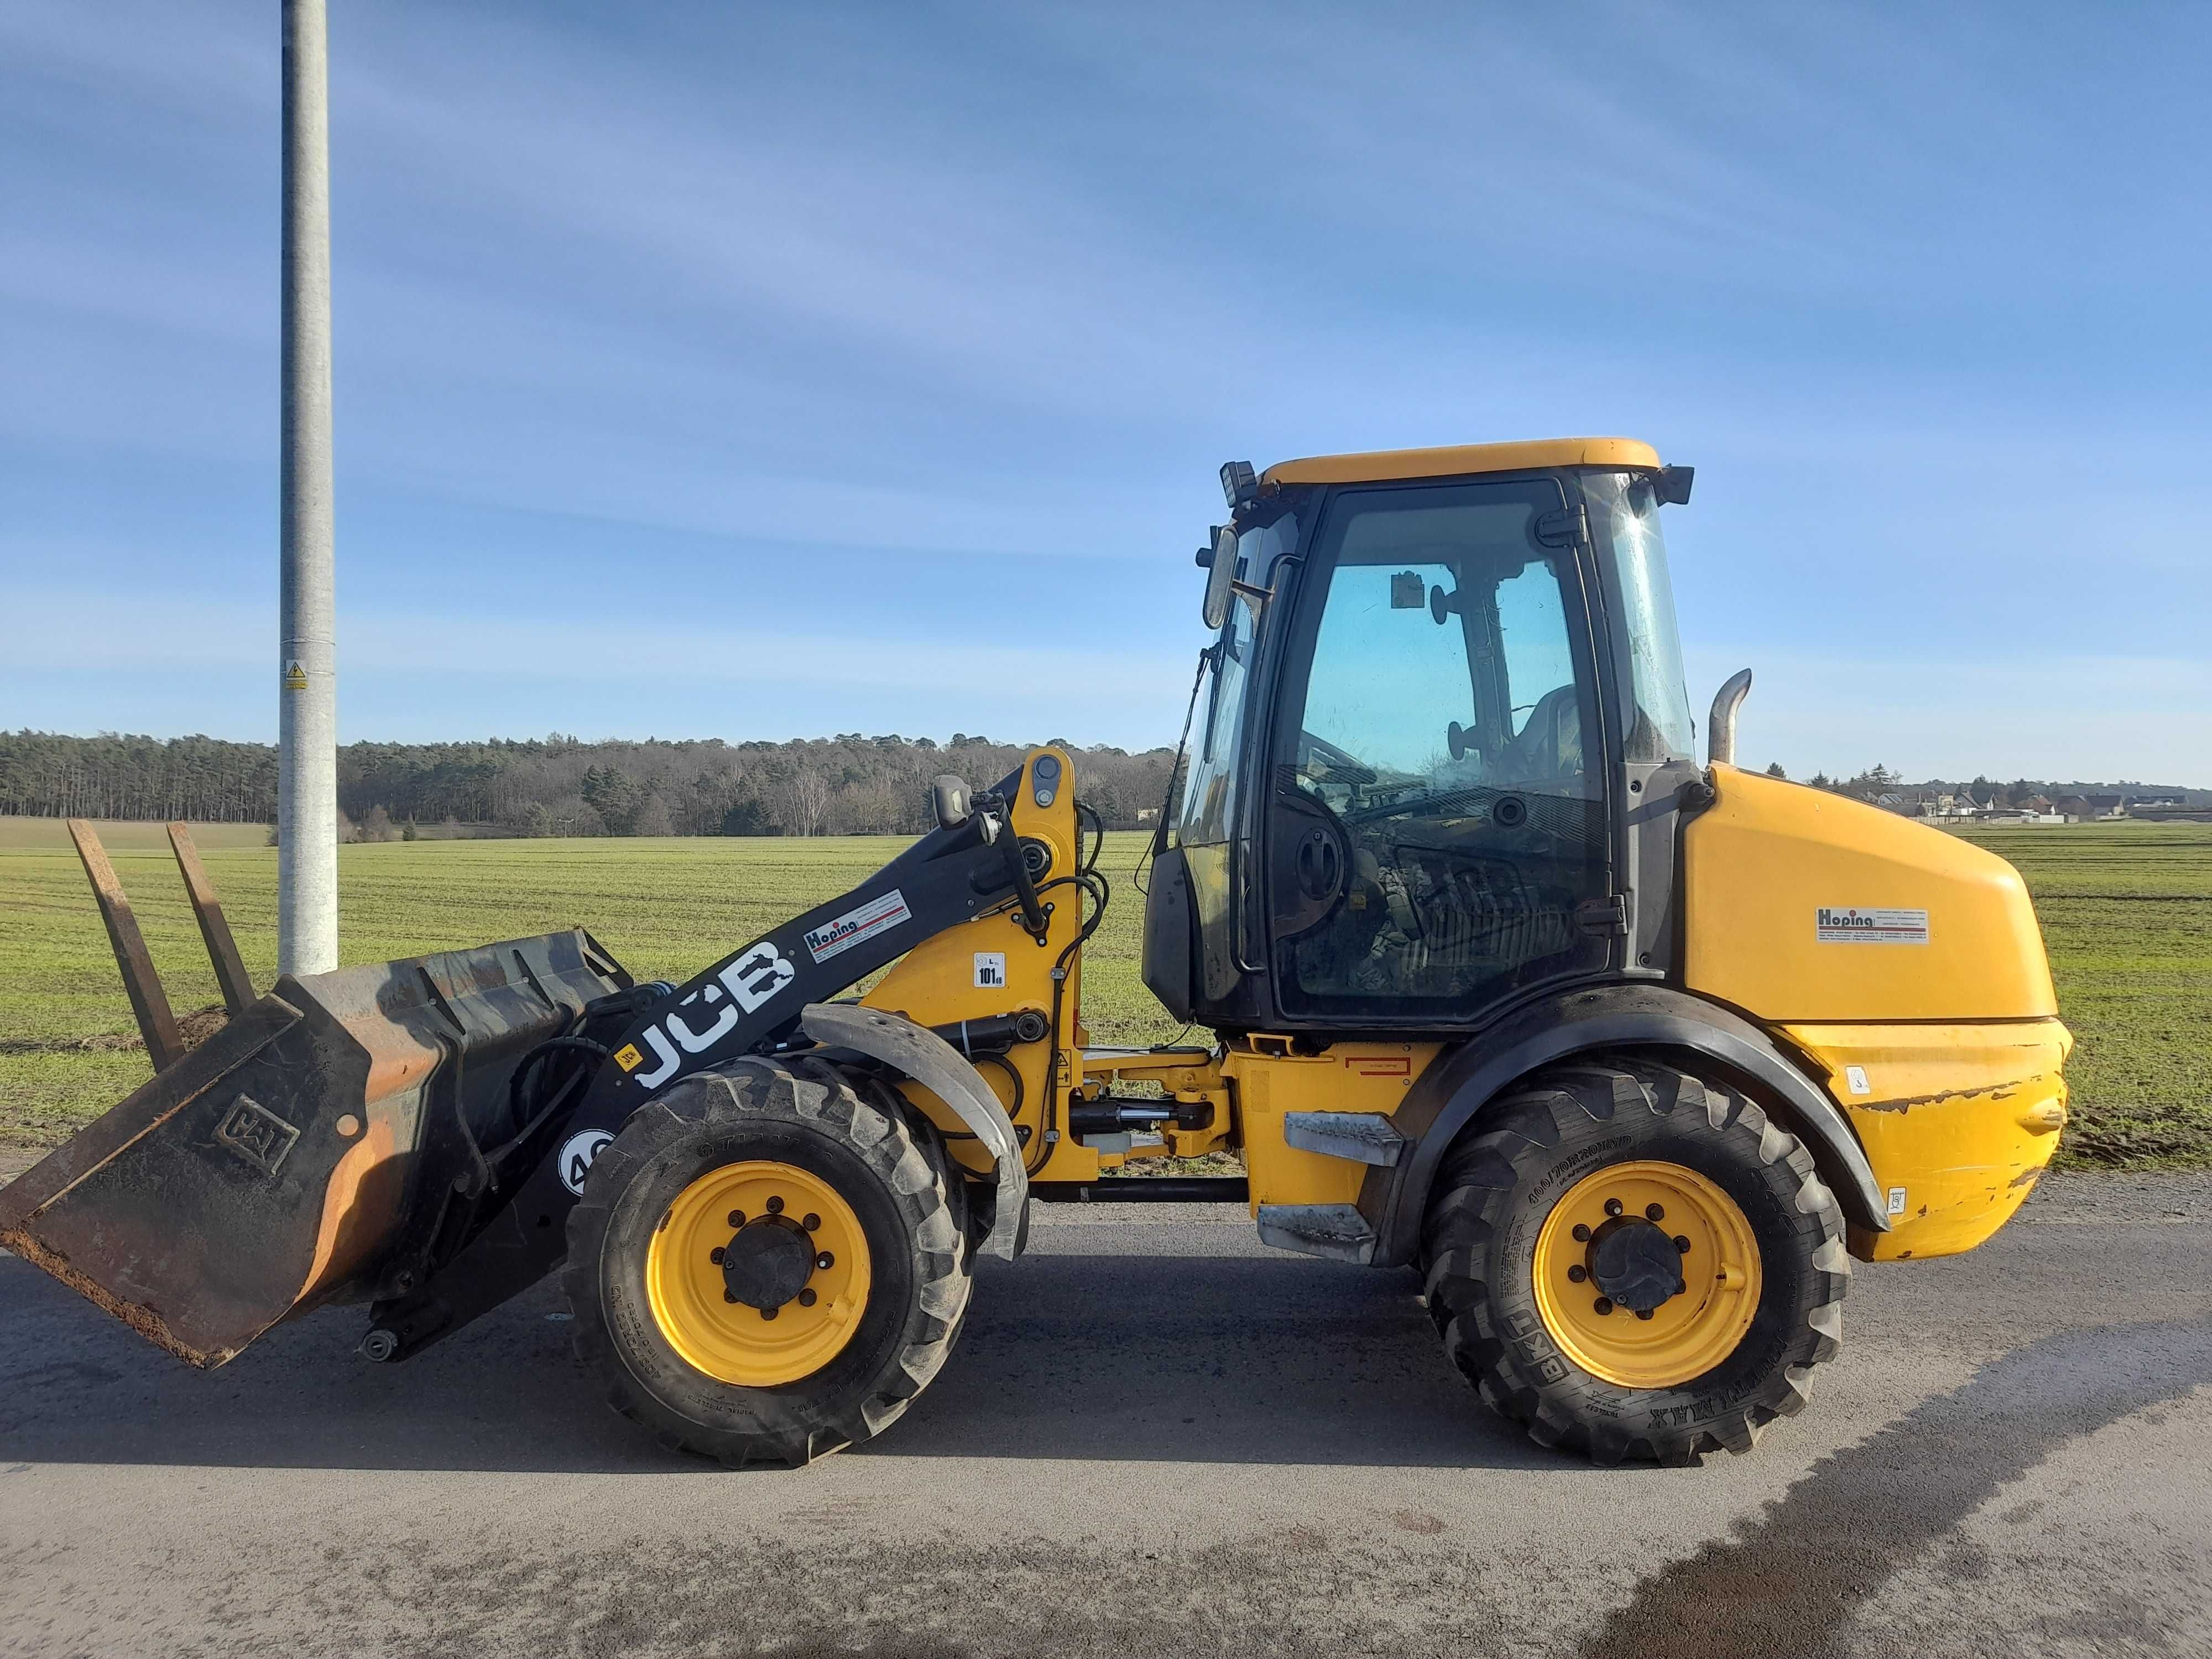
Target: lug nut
1682 1244
736 1217
1681 1287
1653 1212
729 1296
811 1221
714 1256
1603 1306
1643 1313
1613 1207
775 1207
1582 1234
768 1313
806 1298
825 1259
1577 1274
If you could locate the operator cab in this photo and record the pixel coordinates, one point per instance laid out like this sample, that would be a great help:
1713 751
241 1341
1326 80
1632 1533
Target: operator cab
1444 687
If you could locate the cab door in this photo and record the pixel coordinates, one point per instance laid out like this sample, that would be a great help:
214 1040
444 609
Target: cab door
1437 833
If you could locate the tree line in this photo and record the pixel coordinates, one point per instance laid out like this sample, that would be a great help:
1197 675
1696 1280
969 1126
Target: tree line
559 785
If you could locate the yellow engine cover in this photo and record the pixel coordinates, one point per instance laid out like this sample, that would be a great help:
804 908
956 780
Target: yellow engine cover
1787 887
1905 966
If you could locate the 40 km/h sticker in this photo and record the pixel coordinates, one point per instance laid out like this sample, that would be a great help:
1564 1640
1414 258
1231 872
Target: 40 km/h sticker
580 1153
1850 925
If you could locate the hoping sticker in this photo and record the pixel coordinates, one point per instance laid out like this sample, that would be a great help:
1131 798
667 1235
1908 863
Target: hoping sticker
877 915
1849 924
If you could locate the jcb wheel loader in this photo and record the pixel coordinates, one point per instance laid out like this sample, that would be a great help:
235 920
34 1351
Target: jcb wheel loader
1624 1057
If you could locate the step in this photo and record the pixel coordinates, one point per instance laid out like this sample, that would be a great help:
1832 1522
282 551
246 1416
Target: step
1361 1137
1338 1231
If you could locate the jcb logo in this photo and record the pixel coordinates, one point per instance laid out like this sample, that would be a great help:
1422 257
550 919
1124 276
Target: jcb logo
743 987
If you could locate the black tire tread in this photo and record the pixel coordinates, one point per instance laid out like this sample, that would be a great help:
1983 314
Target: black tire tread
815 1093
1479 1173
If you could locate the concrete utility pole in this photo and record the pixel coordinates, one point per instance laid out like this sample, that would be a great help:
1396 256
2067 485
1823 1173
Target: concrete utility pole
307 701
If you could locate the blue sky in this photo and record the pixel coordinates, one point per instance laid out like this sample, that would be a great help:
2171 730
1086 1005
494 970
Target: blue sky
779 371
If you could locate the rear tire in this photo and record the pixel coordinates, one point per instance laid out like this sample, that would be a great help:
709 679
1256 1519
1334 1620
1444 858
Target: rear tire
1717 1370
651 1337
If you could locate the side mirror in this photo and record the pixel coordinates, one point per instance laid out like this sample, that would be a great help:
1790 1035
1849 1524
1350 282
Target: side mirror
1671 484
949 795
1218 576
1720 728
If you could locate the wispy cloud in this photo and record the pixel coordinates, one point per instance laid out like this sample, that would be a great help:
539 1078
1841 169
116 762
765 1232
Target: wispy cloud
922 329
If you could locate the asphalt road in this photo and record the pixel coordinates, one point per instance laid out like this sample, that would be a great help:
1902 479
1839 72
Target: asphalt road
1158 1437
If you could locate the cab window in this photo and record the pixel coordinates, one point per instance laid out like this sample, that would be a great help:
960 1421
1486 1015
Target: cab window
1438 808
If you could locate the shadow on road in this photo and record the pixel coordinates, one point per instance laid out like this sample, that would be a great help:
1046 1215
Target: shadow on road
1791 1581
1180 1358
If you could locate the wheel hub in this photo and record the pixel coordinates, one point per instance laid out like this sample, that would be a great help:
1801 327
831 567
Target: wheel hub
1647 1273
1634 1264
758 1274
766 1262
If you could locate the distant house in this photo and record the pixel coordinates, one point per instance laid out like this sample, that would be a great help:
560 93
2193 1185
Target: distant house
2090 809
1949 804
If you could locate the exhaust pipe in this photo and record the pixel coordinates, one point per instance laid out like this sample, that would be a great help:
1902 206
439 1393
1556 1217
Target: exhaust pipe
1720 728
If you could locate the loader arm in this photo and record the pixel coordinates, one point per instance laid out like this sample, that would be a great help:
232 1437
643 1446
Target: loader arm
750 1002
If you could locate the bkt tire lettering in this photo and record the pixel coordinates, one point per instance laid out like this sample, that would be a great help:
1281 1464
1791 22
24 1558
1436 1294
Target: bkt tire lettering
750 980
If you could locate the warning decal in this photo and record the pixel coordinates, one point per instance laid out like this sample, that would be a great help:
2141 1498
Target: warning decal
295 676
1849 924
877 915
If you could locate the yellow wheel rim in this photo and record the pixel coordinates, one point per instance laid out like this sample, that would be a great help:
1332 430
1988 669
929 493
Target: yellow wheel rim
718 1215
1691 1330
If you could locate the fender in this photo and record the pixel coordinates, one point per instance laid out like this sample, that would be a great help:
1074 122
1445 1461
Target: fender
1447 1097
930 1061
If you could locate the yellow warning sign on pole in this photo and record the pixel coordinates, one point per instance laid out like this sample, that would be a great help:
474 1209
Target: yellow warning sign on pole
295 676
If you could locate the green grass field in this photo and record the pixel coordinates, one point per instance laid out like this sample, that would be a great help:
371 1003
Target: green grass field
2127 916
665 908
2127 911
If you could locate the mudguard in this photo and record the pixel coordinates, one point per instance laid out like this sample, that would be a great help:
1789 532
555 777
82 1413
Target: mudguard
1651 1018
930 1061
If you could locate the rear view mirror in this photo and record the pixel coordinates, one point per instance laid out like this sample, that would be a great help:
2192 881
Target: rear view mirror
949 795
1218 577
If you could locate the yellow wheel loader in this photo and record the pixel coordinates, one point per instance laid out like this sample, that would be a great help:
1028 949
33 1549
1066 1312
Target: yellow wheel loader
1623 1056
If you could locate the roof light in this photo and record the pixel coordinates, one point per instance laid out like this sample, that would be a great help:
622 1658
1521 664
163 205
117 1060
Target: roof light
1239 484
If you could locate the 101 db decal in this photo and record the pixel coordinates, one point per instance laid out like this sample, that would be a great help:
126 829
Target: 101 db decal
1850 925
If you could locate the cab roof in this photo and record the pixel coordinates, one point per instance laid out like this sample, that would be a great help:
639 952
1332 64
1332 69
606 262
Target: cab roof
1456 460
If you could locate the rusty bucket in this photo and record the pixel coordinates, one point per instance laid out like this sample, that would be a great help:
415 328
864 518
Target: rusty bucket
327 1145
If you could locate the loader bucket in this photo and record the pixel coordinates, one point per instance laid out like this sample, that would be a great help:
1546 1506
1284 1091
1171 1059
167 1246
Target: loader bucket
321 1147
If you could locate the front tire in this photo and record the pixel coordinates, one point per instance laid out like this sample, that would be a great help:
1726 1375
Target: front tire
1635 1263
764 1268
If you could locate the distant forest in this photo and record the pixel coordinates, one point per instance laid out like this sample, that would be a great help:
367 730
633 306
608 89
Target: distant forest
557 785
848 784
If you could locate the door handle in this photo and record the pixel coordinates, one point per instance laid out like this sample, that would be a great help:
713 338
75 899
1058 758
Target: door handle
1320 866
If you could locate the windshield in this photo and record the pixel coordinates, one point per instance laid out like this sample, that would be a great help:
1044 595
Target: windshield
1625 525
